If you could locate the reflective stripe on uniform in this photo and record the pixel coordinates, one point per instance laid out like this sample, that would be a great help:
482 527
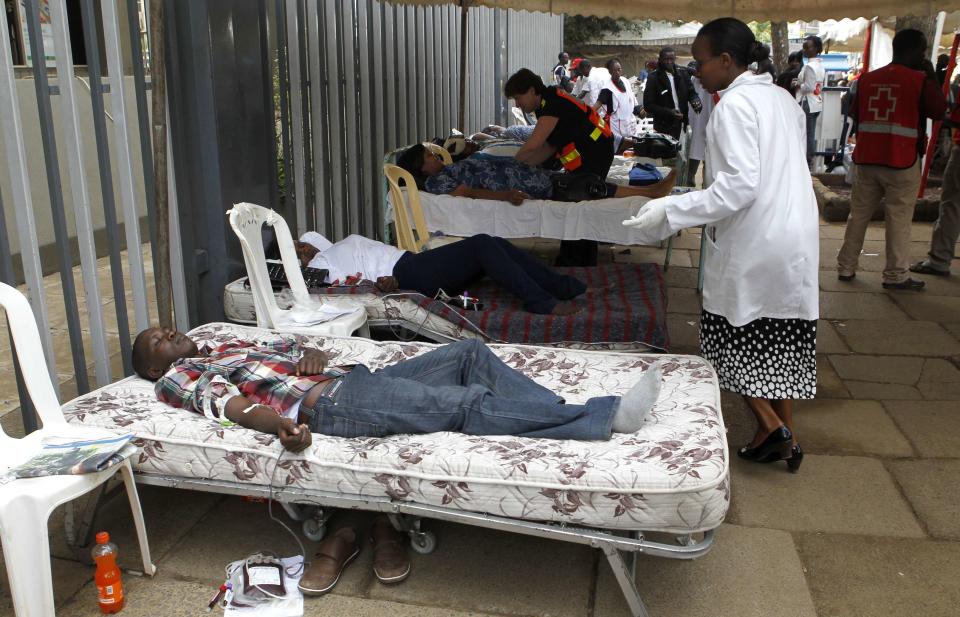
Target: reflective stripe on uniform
887 129
568 156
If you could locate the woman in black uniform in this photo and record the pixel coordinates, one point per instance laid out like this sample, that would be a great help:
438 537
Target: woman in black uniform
570 131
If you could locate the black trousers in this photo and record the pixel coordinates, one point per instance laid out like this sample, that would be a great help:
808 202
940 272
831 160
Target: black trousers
453 267
597 159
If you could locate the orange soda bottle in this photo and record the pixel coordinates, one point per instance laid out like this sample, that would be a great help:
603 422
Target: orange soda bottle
107 578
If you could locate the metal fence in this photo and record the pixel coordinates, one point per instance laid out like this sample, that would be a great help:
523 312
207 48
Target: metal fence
350 81
366 77
76 118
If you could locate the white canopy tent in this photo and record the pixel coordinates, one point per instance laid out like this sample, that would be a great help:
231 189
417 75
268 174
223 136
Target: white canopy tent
747 10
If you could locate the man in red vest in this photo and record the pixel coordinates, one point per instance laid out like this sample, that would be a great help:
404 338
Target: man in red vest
890 107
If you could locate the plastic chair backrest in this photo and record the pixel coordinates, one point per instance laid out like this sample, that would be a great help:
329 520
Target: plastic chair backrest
406 208
440 151
26 338
247 221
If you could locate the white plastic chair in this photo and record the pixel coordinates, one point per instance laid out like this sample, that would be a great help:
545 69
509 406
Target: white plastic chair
26 504
247 221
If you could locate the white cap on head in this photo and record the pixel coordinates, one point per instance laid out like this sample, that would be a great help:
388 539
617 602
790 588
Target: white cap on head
316 240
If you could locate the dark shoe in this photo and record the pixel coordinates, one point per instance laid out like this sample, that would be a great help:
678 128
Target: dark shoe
776 447
391 564
846 278
907 284
333 554
924 267
796 457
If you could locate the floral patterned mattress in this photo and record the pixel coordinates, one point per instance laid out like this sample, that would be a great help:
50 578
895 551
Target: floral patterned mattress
671 476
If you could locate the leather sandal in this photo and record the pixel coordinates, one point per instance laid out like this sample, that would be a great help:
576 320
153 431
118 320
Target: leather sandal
333 555
391 563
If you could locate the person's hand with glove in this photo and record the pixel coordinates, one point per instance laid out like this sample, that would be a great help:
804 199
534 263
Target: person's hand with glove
651 217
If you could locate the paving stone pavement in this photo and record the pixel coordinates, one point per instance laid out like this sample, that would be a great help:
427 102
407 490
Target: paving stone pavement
869 526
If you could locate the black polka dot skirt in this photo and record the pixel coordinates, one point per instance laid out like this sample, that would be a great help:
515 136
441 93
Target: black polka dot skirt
766 358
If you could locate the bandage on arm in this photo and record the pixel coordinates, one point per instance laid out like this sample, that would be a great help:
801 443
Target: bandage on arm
250 415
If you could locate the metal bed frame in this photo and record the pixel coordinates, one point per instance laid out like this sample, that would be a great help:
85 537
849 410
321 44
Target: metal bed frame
311 508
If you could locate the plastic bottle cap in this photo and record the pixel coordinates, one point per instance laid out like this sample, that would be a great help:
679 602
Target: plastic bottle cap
103 537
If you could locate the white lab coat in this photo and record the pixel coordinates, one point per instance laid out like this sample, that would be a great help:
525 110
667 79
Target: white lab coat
622 121
593 84
762 248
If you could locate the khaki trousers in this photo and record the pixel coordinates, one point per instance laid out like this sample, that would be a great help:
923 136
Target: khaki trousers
898 190
947 227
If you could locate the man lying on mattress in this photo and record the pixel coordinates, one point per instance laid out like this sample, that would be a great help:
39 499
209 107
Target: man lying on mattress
451 267
500 178
289 390
286 389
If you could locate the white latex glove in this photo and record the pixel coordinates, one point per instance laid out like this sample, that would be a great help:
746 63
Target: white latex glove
651 216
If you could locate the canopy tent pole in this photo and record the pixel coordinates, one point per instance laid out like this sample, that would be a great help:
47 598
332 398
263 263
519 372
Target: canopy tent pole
462 113
866 47
158 92
932 142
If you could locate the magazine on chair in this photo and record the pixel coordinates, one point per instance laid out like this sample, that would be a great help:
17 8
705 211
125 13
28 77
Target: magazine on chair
70 455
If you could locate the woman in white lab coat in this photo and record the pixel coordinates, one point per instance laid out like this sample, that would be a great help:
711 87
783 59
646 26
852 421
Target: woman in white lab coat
760 299
617 102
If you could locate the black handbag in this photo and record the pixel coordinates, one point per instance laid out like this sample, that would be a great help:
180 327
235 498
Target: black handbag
656 146
578 187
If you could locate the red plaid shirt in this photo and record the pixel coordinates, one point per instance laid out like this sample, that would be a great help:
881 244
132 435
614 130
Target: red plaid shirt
266 374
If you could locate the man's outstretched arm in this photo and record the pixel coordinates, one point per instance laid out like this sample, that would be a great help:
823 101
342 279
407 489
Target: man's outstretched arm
265 419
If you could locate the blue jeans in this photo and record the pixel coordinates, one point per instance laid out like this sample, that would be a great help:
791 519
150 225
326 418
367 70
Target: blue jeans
460 387
811 131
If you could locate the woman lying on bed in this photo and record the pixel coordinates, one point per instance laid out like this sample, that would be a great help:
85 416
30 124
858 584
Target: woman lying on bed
500 178
452 268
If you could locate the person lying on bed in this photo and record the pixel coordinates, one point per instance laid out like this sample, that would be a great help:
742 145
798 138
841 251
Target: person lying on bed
290 390
287 389
501 178
451 267
513 133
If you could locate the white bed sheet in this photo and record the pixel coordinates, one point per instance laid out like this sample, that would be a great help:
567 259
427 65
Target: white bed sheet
671 476
536 218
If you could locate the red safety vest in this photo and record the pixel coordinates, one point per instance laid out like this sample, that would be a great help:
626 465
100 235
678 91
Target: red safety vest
569 155
888 117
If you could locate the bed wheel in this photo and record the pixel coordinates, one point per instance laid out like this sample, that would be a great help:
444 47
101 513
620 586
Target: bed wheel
314 530
423 542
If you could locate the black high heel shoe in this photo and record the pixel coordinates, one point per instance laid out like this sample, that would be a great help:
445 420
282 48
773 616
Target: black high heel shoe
796 457
776 447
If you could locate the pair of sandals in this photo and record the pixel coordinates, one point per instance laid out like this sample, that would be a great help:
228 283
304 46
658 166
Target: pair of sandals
391 564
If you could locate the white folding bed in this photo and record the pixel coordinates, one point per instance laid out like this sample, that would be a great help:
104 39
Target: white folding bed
672 476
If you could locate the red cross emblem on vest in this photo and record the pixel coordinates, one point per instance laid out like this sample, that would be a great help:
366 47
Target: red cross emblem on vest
882 104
